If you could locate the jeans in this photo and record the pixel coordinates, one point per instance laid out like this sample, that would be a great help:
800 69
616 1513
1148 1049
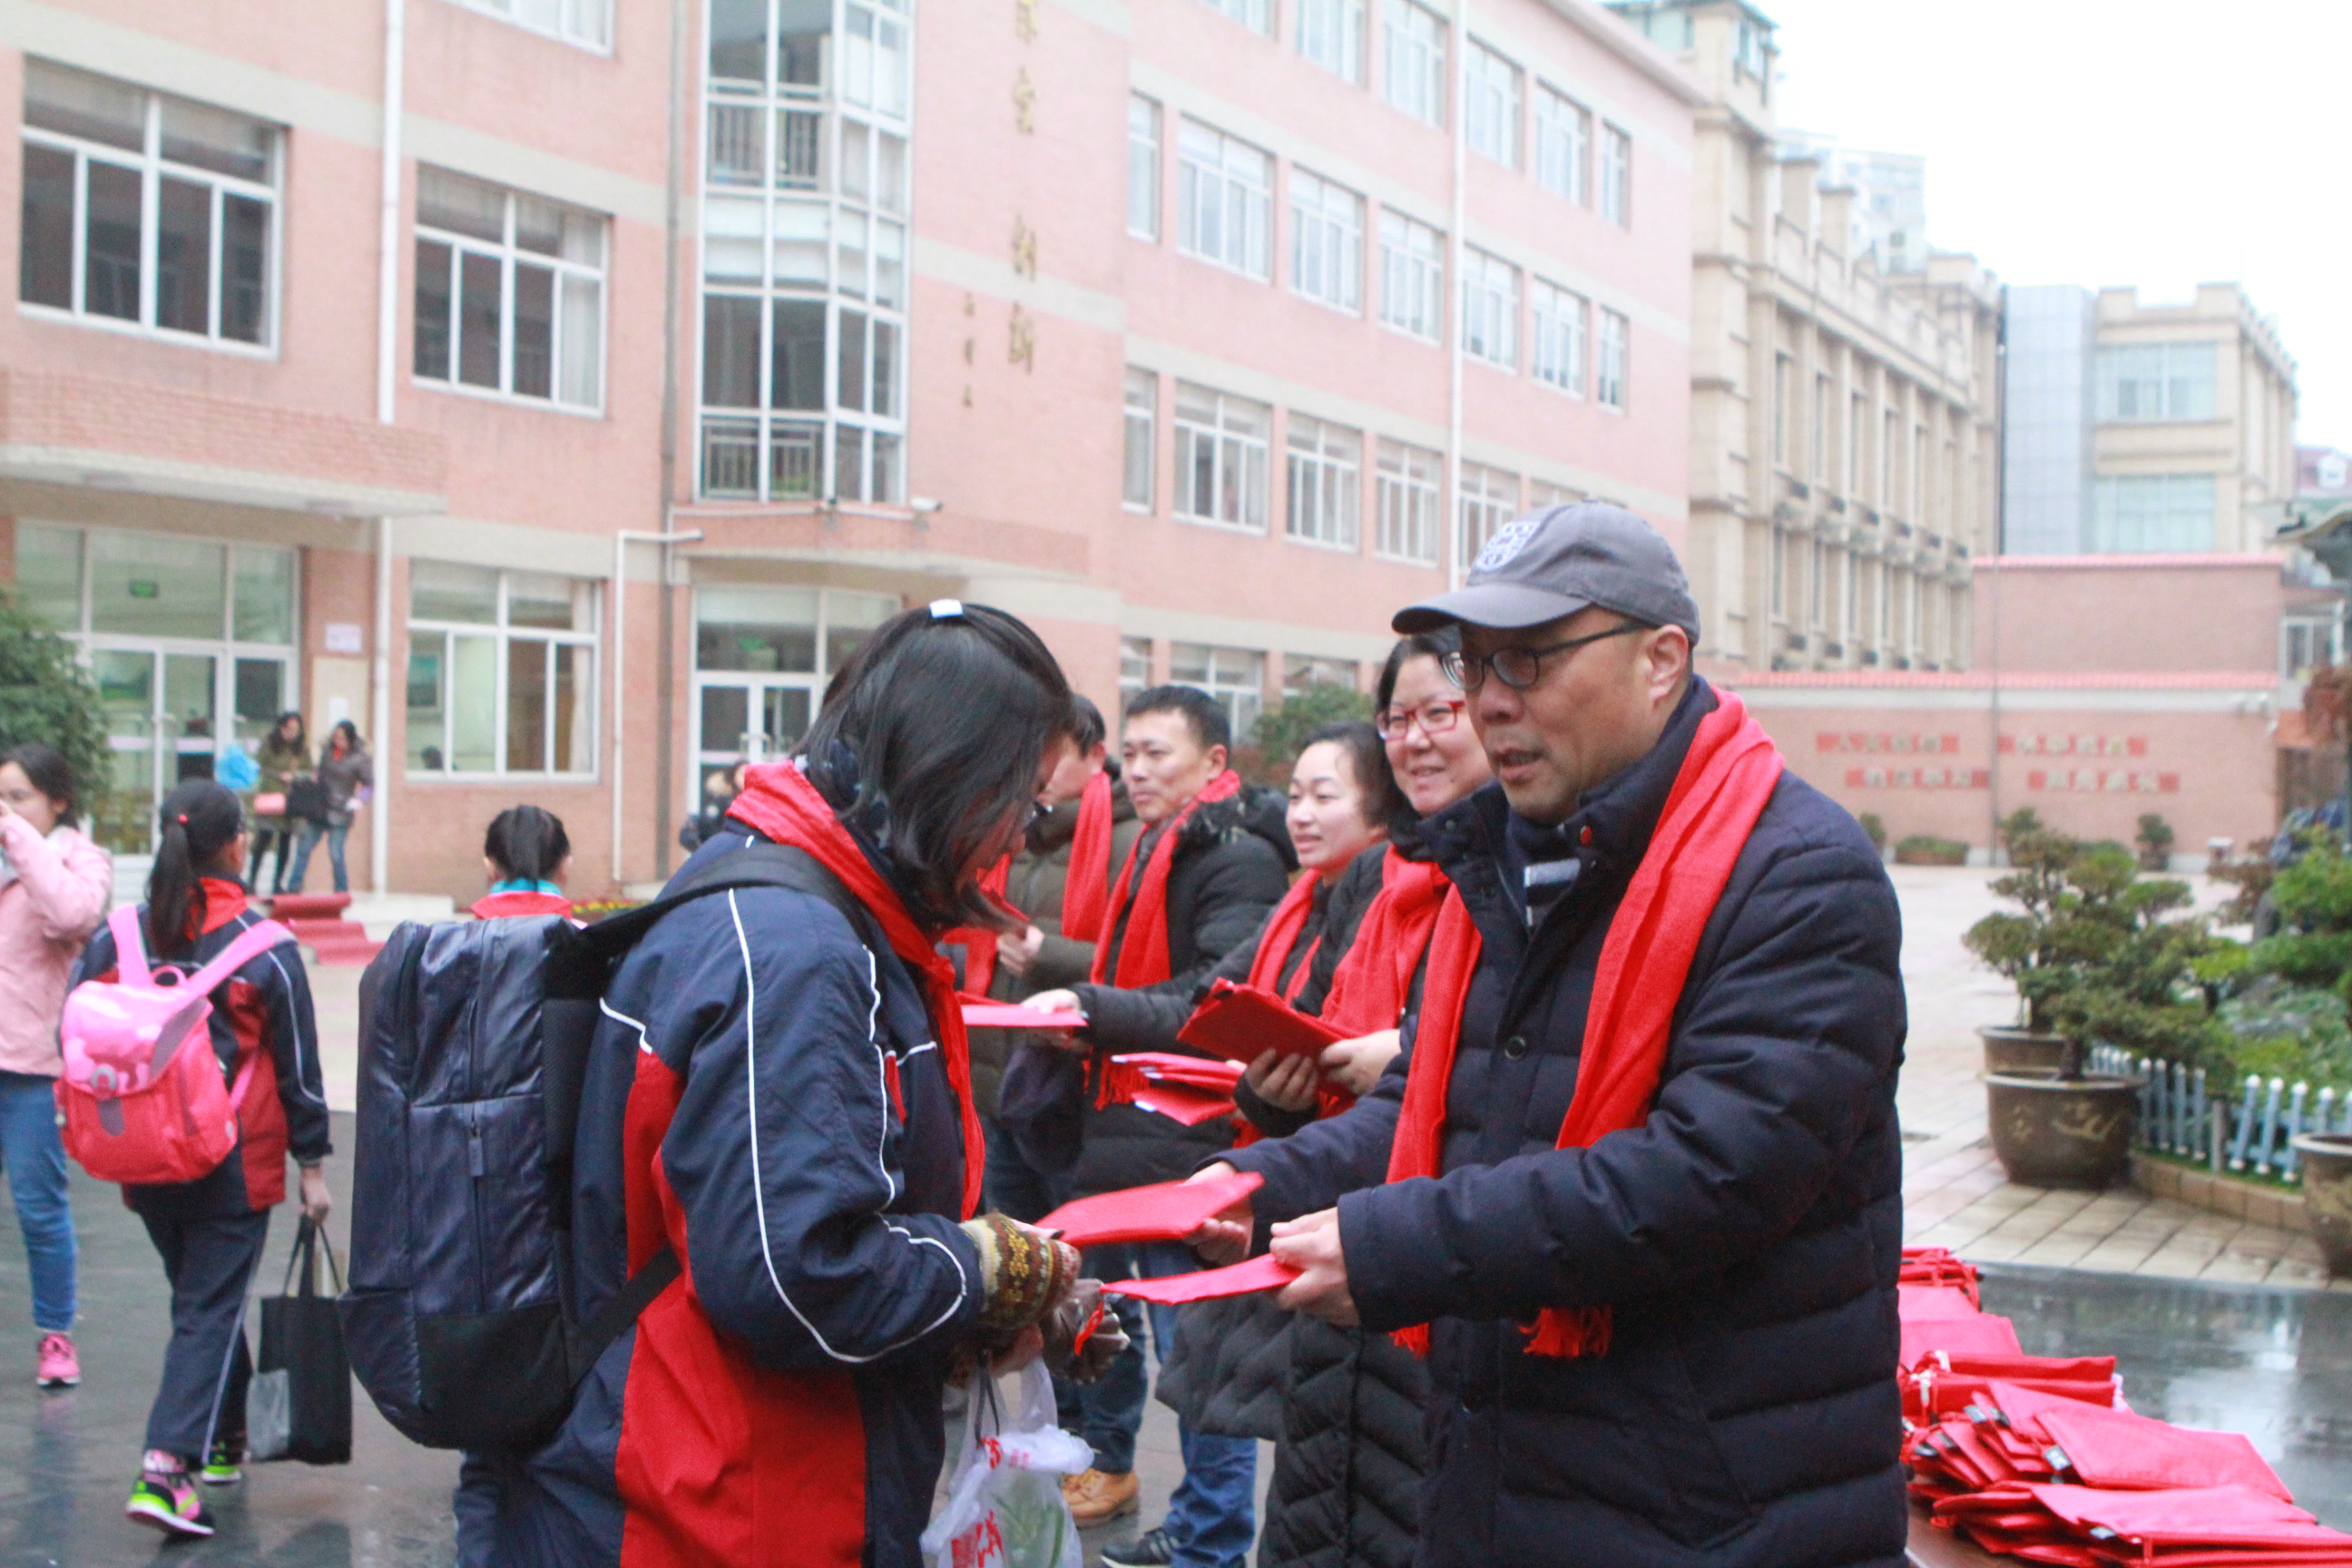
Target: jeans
36 1158
306 839
1212 1517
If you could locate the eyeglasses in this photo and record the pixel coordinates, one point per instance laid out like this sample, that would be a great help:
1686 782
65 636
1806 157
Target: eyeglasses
1520 668
1435 717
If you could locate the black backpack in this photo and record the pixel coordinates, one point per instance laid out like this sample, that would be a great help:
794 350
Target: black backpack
474 1039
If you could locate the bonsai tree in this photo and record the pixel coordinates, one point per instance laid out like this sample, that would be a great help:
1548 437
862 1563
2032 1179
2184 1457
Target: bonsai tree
46 696
2026 948
2156 836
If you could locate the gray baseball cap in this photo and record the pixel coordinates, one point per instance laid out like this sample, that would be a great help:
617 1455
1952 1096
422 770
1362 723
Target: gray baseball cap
1556 561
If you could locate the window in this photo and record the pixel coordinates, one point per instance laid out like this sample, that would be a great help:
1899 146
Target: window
509 291
1255 15
501 671
1563 146
1412 270
1143 167
1413 57
1886 427
1858 420
1236 676
1142 414
1134 671
1562 323
1490 497
1222 444
1326 242
1784 371
1616 352
1331 34
1816 582
147 209
1490 308
1224 195
1302 673
1776 568
2142 512
1616 176
1542 496
1409 481
1326 464
587 22
1491 105
1918 476
2156 381
1819 472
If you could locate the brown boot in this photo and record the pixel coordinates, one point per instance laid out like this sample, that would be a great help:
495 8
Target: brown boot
1094 1496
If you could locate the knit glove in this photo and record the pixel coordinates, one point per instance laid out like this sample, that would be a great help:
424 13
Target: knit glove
1032 1280
1083 1336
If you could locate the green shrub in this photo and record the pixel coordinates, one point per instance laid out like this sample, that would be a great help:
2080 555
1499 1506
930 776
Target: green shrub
1875 827
45 695
1281 731
1926 849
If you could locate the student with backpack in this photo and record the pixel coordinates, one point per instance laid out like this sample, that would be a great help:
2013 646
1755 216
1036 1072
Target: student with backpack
528 856
210 1230
777 1118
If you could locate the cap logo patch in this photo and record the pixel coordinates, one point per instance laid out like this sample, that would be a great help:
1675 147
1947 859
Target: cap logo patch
1505 547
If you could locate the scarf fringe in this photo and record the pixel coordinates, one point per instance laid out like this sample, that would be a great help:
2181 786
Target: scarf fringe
1121 1082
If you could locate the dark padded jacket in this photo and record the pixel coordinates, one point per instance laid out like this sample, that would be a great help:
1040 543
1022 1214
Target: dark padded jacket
1748 1235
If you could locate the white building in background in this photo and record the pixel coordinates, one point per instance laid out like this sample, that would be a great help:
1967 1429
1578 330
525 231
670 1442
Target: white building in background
1890 196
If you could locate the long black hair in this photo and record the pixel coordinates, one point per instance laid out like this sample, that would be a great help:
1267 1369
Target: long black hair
527 844
200 820
1368 764
47 770
275 739
1434 645
929 745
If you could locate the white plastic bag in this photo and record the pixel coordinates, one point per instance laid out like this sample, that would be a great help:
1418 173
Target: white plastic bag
1006 1508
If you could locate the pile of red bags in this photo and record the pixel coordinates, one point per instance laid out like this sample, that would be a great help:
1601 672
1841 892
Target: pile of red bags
2039 1457
1191 1089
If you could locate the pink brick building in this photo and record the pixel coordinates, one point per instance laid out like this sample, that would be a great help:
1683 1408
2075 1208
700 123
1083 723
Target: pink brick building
363 356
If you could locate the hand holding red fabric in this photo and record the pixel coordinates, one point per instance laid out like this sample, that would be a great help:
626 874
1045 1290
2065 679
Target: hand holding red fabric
1310 1244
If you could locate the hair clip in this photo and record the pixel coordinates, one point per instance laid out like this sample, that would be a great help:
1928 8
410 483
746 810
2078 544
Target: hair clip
947 609
184 819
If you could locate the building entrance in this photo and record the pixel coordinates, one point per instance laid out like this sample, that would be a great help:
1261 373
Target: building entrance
761 658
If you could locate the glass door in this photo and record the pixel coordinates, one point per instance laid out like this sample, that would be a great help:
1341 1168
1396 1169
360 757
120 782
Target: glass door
124 821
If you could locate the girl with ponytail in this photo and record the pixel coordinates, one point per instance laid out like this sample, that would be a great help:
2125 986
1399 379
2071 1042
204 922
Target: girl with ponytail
210 1232
528 856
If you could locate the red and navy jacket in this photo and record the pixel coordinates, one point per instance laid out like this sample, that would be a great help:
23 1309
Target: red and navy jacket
262 1010
765 1097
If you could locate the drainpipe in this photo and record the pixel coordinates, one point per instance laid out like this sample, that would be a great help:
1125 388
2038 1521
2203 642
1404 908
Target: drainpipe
387 344
1999 559
674 222
621 542
1457 112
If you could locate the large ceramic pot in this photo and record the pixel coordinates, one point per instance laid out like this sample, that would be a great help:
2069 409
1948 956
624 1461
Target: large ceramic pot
2327 1161
2054 1134
2008 1050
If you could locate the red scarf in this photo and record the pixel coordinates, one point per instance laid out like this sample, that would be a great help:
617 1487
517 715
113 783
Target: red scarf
1374 981
1279 935
1085 887
779 801
1725 778
500 906
979 942
1143 946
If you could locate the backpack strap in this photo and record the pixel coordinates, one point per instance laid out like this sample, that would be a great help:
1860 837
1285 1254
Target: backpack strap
129 944
759 864
621 1310
249 944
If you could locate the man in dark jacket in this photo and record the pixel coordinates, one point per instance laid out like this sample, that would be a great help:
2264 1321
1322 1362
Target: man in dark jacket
1743 1239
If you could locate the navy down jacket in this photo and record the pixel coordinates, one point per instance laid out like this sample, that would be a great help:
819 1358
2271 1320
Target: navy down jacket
1748 1236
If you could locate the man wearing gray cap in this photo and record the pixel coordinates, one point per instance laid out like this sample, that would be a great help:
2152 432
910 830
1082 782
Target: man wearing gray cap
1634 1187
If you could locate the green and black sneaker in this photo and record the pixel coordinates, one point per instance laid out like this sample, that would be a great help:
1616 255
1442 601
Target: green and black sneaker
224 1466
167 1499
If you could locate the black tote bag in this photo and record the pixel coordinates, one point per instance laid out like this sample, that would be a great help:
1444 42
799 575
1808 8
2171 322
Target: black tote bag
306 800
300 1403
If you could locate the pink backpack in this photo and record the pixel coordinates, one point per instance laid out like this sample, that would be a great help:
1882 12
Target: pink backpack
142 1092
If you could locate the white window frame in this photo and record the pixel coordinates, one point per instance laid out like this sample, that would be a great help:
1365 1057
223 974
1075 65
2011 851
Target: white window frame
1326 242
1224 200
1490 308
2169 383
1143 167
1559 346
1616 176
1257 15
1134 671
1613 360
1235 677
1413 277
1410 486
502 636
1140 435
153 168
509 255
1233 436
582 23
1330 33
1490 497
1412 56
1325 465
2156 506
1563 145
1490 108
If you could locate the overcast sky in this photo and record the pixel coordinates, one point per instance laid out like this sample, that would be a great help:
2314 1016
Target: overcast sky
2105 142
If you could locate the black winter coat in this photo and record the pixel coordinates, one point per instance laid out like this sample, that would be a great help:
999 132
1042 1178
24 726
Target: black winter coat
1748 1235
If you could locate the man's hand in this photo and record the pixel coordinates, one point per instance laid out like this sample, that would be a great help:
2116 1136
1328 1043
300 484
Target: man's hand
1223 1237
1286 1083
1062 1000
1358 1064
316 1201
1018 952
1310 1244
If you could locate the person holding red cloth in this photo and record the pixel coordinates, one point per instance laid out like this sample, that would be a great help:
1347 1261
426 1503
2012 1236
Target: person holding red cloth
1633 1186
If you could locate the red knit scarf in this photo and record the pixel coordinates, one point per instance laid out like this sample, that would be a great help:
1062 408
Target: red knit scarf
979 942
1374 981
1279 935
1085 887
779 801
1724 780
1143 946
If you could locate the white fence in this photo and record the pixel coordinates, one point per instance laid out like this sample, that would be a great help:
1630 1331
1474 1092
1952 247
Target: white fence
2180 1114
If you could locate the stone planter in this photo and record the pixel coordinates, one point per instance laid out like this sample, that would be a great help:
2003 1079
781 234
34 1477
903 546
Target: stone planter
2010 1050
2326 1160
2050 1134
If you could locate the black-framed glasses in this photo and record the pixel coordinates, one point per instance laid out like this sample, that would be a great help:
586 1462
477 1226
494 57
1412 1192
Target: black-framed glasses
1435 717
1520 668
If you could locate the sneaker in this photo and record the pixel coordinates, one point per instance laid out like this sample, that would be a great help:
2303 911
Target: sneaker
223 1466
1094 1496
1152 1549
60 1368
167 1499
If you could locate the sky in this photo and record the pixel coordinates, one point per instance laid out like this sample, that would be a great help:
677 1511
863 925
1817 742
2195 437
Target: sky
2105 142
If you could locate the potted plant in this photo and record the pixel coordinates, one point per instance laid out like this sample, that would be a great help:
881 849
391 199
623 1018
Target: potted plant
2327 1161
2024 948
2155 841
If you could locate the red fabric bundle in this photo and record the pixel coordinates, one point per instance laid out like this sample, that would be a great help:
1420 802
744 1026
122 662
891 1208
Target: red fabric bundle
1164 1211
1936 1266
1728 776
2118 1449
1373 982
1144 944
1086 887
1242 1023
1190 1089
779 801
1985 1332
1263 1272
2190 1527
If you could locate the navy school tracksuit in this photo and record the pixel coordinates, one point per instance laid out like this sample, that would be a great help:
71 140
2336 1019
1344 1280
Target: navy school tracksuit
210 1231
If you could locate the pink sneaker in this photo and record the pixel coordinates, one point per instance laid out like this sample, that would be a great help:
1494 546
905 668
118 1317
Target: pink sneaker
60 1368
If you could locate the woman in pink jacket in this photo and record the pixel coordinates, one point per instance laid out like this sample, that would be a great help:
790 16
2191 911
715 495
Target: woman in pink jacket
54 888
